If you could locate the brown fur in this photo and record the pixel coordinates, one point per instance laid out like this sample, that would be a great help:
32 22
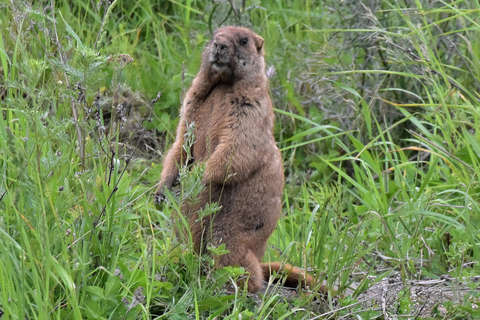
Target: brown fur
294 275
230 107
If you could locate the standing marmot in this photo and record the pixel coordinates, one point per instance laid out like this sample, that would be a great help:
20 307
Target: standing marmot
230 107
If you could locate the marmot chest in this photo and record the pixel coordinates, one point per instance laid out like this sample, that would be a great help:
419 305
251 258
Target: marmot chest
210 119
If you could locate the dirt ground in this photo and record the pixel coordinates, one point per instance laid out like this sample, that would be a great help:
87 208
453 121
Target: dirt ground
390 297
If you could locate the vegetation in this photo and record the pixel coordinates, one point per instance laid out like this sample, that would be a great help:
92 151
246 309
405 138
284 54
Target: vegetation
378 110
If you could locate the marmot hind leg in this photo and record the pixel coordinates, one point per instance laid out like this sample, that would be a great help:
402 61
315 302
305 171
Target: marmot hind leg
244 257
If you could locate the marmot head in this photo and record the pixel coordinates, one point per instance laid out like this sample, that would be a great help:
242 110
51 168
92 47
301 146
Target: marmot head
235 53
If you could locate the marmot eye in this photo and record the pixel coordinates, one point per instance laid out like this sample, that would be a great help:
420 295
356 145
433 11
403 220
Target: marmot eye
243 41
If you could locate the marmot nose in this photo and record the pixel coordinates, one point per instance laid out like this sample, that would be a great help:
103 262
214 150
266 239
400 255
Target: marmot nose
220 46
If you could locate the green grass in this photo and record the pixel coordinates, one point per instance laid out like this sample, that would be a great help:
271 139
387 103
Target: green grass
377 111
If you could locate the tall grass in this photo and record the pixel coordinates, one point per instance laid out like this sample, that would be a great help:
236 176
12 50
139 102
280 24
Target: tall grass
377 109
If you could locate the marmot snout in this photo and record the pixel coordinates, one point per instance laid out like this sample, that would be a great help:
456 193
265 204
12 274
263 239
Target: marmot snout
221 53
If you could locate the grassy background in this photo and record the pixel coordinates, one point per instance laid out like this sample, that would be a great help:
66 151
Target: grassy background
377 106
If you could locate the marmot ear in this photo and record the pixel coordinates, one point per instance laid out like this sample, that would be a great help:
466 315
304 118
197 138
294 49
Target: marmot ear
259 43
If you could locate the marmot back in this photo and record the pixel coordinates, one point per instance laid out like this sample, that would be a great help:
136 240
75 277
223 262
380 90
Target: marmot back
230 107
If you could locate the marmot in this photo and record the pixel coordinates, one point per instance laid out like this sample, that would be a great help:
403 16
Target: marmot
230 107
